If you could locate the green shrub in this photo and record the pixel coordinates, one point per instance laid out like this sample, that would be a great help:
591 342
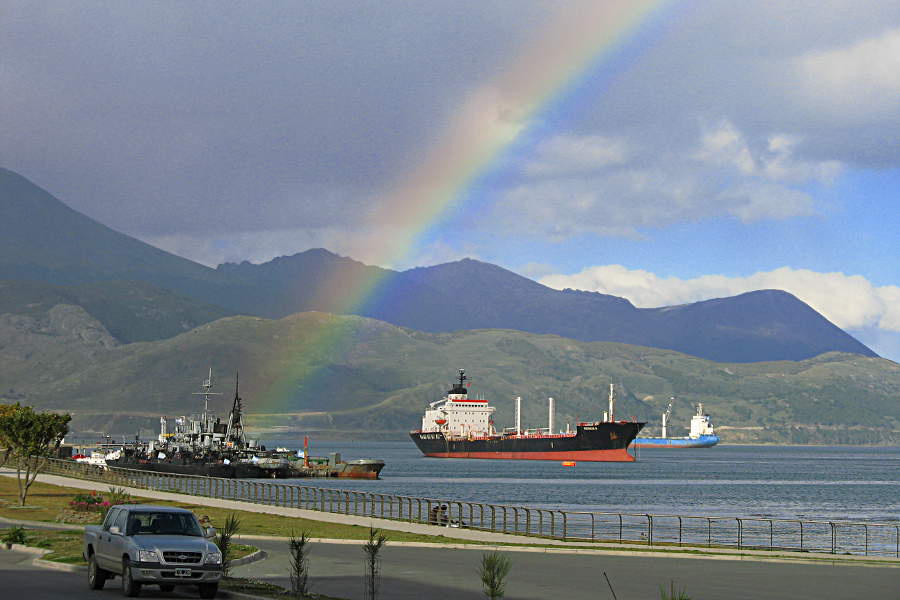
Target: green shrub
14 535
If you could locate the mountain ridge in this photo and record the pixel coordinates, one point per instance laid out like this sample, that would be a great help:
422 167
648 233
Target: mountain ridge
41 239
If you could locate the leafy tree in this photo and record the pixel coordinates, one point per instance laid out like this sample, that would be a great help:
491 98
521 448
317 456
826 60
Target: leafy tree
31 438
5 409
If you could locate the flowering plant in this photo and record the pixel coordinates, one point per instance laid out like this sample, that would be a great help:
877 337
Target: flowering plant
89 503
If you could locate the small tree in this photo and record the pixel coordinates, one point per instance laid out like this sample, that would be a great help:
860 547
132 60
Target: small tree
299 553
223 540
672 593
494 569
31 438
372 548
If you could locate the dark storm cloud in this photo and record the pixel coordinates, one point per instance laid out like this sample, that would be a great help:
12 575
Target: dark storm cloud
163 116
176 120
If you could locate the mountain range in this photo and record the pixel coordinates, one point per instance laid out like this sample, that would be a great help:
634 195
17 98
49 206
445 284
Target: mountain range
375 380
43 240
118 332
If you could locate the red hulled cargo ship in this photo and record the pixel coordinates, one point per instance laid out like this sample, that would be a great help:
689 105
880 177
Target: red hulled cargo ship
461 427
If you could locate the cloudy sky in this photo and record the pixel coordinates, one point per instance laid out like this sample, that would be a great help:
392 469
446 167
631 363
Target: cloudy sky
666 151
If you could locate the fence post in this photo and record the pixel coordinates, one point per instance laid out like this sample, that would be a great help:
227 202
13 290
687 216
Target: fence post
620 527
679 531
565 521
649 530
866 527
801 535
833 538
771 535
740 532
708 532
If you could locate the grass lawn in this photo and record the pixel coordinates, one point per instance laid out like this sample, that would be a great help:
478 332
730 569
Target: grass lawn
49 501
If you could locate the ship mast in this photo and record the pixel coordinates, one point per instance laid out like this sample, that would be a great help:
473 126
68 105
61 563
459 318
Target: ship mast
207 385
665 417
235 431
612 402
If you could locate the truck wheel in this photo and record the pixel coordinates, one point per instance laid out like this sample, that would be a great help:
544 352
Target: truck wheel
96 575
208 590
130 587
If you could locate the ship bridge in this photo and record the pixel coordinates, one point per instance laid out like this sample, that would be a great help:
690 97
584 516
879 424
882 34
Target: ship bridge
458 415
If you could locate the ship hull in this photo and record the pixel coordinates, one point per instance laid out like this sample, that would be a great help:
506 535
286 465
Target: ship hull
601 442
231 471
704 441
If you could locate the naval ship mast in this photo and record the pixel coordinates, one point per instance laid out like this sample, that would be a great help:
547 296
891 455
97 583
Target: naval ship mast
235 432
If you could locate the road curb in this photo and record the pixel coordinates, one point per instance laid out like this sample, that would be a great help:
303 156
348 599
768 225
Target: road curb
240 595
42 524
58 566
250 558
875 561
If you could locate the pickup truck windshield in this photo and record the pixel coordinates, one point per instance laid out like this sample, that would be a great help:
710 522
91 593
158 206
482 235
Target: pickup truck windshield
162 523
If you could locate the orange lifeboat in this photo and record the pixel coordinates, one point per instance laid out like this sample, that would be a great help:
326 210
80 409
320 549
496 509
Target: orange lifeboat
440 421
569 463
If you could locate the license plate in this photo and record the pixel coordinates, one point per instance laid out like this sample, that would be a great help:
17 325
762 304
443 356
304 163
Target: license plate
182 572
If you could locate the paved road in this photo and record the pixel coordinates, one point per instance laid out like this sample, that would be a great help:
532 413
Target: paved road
19 580
414 573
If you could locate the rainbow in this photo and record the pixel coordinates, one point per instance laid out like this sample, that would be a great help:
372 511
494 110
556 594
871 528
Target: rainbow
576 46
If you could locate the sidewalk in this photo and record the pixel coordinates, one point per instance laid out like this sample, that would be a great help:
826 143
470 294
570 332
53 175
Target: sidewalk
542 545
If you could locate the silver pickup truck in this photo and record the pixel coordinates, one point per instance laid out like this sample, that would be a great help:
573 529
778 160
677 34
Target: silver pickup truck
156 545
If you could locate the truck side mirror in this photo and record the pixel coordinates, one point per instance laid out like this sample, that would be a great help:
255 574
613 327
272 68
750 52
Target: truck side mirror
210 532
115 530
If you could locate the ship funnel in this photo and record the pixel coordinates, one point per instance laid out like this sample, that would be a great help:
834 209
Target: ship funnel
550 416
518 415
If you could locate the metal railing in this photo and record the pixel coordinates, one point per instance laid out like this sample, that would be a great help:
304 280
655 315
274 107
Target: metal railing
756 533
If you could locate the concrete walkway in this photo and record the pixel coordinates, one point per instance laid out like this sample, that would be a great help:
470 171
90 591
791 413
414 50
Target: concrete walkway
482 537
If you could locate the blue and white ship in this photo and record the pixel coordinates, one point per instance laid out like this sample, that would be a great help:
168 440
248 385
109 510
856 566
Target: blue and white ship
702 433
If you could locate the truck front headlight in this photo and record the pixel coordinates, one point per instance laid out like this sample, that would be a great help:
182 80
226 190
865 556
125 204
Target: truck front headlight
148 556
214 558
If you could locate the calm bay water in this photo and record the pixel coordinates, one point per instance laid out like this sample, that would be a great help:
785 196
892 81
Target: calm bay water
806 482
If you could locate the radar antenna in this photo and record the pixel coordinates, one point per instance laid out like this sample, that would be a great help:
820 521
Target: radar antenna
206 393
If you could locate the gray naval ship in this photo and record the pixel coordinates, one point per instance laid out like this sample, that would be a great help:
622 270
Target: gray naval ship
204 444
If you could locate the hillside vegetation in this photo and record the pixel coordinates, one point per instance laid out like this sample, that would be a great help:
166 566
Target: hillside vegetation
43 240
132 311
315 372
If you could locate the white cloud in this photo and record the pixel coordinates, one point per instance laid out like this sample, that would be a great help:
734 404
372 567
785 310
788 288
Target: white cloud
862 79
618 186
757 201
726 146
568 154
848 301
